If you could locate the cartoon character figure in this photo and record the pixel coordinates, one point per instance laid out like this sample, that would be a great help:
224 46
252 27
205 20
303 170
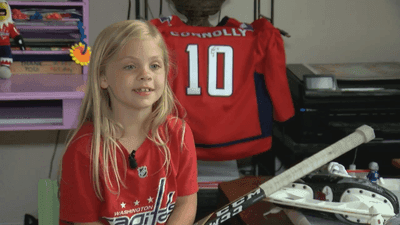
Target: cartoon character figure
7 30
373 175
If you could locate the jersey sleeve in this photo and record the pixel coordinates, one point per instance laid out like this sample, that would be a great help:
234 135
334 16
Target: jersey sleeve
158 22
167 21
187 171
273 66
78 201
13 31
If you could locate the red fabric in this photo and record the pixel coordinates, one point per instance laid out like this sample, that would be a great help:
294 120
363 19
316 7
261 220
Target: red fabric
230 120
6 32
5 62
147 199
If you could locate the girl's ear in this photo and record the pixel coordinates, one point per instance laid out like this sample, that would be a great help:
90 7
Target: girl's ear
103 81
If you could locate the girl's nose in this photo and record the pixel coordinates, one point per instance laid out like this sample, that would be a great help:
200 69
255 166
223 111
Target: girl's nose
145 75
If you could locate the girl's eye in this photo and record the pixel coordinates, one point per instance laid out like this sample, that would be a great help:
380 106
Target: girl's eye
155 66
130 67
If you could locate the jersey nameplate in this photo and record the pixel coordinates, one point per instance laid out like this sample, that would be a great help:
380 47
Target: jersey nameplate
238 32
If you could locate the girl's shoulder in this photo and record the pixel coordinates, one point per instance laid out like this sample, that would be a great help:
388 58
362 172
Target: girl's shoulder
177 125
179 131
174 122
81 141
86 130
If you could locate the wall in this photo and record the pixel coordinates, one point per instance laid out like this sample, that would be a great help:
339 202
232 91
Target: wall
323 31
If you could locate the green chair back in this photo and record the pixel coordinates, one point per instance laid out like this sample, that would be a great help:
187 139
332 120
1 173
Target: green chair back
48 204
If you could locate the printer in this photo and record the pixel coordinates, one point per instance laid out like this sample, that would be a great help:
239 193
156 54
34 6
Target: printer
332 100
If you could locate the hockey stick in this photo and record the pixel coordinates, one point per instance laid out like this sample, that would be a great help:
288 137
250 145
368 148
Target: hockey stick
362 135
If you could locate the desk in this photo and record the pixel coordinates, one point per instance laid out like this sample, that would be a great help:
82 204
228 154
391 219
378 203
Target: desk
232 190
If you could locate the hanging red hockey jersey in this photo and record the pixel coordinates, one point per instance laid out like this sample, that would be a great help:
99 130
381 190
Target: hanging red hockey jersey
231 80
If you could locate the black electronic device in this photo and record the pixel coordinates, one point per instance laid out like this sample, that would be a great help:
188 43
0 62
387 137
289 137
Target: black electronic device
132 160
332 99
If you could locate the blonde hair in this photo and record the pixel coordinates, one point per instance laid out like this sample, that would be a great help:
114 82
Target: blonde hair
96 106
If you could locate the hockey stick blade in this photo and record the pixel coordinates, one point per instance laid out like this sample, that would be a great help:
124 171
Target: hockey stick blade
362 135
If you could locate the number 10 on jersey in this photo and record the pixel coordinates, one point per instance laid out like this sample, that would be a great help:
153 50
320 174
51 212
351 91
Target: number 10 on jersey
212 64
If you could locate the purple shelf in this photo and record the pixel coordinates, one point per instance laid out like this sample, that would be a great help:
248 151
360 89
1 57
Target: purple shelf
62 88
40 96
41 86
36 127
41 118
33 3
26 27
19 52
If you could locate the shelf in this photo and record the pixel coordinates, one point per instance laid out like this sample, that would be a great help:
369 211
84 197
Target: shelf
40 95
44 114
39 112
33 121
41 3
37 102
36 127
27 27
45 101
22 22
23 84
20 52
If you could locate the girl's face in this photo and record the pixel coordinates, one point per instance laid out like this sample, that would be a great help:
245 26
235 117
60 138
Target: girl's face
135 76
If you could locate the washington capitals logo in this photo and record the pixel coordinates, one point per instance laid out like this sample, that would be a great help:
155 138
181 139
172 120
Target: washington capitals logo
246 26
166 19
157 215
3 35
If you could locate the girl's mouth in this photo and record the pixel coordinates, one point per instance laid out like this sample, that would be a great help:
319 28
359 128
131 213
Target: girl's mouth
143 91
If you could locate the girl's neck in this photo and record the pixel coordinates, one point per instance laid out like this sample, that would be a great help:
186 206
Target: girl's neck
132 121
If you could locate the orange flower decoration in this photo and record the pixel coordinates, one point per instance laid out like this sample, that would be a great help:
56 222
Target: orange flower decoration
78 56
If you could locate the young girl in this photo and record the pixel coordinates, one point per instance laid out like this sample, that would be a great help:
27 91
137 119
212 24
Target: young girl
129 134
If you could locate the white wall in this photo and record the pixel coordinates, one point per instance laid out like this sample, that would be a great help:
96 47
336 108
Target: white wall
340 31
323 31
